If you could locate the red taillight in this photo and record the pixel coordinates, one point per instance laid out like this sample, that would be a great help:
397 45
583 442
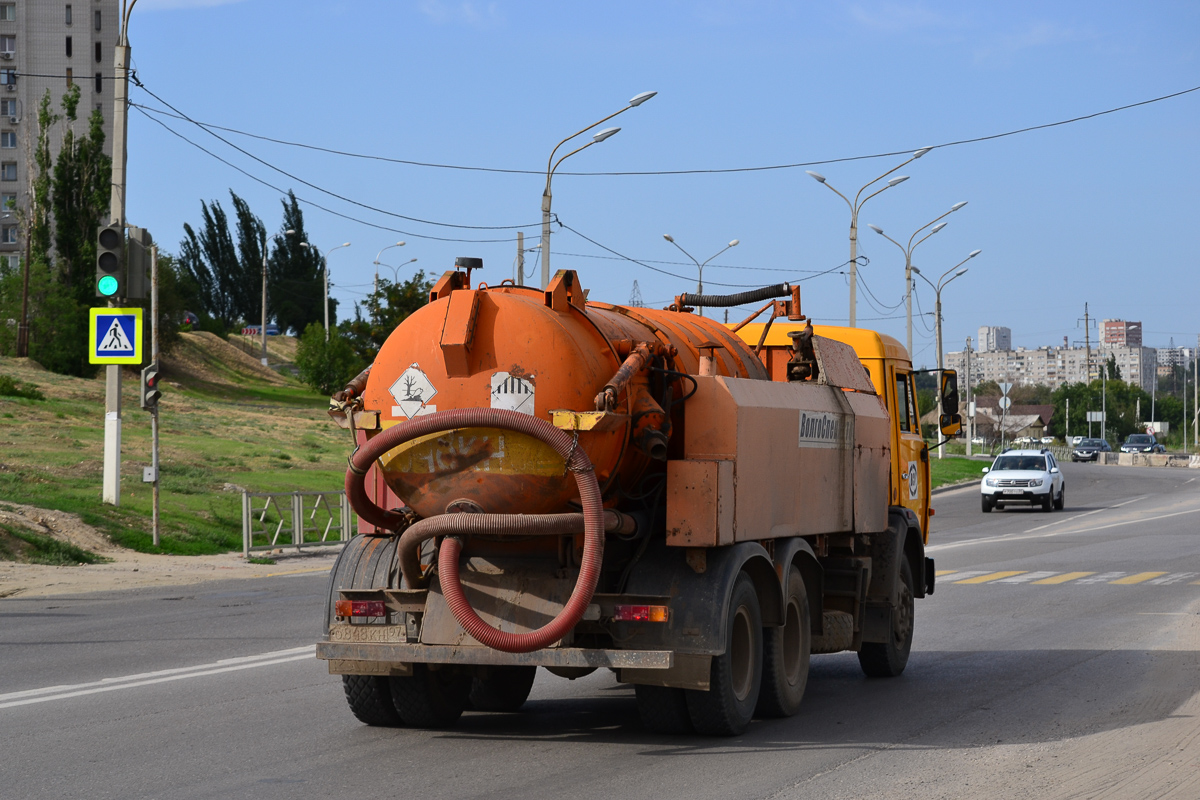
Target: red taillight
360 608
640 614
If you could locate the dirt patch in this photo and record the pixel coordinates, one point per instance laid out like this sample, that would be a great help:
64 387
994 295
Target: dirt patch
207 357
129 569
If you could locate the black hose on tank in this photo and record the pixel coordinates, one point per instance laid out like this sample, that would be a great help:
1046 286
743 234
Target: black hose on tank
741 298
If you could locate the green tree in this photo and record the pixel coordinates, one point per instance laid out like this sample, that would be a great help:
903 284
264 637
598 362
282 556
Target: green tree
294 276
326 366
81 189
225 275
1121 407
386 308
986 389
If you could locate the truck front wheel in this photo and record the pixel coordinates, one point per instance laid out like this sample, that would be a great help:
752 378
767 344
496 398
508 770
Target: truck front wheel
888 659
786 652
735 677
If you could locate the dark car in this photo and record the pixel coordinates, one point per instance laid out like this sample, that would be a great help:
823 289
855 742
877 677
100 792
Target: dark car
1142 443
1090 450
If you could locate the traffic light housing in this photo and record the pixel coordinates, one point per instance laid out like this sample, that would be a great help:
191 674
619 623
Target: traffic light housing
137 283
150 393
110 261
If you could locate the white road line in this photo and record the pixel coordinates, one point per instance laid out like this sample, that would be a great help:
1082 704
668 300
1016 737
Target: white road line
1028 576
1175 577
1103 577
48 693
1014 537
1086 514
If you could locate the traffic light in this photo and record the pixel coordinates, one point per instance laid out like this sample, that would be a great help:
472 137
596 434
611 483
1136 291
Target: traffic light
137 285
110 261
150 393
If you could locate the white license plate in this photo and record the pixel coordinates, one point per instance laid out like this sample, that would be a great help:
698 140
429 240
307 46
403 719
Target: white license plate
1014 491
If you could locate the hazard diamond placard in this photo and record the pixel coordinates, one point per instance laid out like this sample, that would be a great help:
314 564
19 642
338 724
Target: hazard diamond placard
115 336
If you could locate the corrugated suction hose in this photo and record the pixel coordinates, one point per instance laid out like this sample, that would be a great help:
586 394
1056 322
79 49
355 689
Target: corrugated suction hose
453 525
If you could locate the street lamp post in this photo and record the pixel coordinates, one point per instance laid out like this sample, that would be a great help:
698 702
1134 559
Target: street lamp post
325 265
379 255
937 317
264 299
855 207
699 266
552 165
908 251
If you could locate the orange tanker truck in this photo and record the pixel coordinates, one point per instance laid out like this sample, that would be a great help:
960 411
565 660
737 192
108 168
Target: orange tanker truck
547 481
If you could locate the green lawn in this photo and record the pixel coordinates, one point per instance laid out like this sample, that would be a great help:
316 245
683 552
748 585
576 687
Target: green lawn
953 469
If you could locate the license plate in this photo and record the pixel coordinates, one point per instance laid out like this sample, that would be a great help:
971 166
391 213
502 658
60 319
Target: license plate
1014 491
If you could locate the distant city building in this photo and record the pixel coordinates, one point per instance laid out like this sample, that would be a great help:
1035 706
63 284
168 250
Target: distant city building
1174 356
992 337
1119 333
1055 366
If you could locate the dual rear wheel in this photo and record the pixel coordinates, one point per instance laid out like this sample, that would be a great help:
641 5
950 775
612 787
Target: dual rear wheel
435 698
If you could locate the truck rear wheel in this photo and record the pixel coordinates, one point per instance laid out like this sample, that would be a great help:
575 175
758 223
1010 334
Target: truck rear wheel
430 698
370 700
786 651
735 677
663 709
504 688
888 659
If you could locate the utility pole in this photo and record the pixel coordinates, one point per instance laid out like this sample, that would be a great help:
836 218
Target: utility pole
157 522
970 416
264 298
1087 343
520 258
112 373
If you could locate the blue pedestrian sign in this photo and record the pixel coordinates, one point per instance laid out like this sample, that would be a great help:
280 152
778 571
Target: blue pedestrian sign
115 336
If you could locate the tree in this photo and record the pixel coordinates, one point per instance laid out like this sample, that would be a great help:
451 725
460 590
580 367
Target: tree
227 276
326 366
1114 372
81 190
386 307
294 276
1121 406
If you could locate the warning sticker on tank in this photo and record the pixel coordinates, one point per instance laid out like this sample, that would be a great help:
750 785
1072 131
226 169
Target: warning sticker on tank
823 429
513 392
412 391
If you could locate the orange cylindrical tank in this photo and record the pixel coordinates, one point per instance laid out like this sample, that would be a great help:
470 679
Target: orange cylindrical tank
534 351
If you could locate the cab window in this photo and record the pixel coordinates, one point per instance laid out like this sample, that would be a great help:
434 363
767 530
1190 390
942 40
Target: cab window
903 406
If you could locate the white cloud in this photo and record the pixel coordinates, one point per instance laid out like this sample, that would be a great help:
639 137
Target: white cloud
476 15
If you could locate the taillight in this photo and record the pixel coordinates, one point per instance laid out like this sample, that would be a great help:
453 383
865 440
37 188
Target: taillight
640 614
360 608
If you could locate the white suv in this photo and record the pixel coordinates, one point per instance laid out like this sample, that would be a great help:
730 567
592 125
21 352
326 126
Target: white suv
1023 476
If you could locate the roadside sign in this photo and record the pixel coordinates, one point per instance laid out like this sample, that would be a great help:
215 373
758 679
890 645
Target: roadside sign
115 336
1004 387
1005 403
1095 416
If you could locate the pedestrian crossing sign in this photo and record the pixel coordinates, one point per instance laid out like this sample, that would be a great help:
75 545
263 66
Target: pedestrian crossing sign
115 336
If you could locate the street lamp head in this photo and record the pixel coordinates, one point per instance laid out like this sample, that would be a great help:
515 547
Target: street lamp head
917 271
960 273
875 228
604 134
305 244
734 242
897 180
957 206
344 244
641 98
938 227
922 152
290 232
816 176
669 238
974 253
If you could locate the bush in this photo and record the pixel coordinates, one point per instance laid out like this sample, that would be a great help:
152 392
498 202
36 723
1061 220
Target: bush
325 366
10 388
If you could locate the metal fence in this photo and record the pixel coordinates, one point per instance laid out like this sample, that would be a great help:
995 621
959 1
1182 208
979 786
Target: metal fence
272 520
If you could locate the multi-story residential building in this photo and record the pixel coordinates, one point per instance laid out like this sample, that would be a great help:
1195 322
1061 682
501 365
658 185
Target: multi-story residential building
1119 333
1055 366
1174 356
992 337
47 46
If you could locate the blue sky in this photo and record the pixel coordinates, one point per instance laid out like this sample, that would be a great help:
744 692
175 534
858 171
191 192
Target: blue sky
1094 211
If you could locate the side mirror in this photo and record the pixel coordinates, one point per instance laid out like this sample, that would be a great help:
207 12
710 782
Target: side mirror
985 469
950 424
949 390
1053 470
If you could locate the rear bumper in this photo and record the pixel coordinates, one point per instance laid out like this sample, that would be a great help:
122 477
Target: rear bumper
412 653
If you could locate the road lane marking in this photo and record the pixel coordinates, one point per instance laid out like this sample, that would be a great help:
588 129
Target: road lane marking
1174 577
958 576
63 692
1027 577
1138 578
991 576
1013 537
1087 514
297 572
1104 577
1065 577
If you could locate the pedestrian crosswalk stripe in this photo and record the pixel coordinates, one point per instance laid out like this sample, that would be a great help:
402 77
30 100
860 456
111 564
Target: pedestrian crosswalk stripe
1139 578
1104 577
1174 578
1065 577
958 576
942 572
1027 577
991 576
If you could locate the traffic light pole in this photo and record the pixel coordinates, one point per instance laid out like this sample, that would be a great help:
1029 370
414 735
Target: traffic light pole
154 361
112 377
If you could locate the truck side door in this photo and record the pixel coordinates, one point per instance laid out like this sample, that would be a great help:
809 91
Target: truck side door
910 465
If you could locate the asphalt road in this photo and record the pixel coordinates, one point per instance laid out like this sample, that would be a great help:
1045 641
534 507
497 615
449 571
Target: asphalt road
1066 665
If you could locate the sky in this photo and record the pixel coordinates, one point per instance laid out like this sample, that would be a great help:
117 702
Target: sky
1093 212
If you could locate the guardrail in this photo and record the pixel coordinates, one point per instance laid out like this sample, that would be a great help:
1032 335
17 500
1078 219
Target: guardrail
289 519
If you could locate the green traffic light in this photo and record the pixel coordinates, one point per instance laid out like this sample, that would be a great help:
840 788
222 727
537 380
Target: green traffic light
107 286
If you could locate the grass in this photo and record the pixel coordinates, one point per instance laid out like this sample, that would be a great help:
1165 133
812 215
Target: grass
10 388
17 544
953 469
218 435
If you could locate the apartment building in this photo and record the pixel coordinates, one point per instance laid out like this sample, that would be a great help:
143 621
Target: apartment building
1055 366
993 337
1120 333
47 46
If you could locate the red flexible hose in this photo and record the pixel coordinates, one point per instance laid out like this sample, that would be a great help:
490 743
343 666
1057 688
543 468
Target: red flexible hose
578 464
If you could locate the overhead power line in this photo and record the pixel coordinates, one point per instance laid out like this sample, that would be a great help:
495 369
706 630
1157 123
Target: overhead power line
464 167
